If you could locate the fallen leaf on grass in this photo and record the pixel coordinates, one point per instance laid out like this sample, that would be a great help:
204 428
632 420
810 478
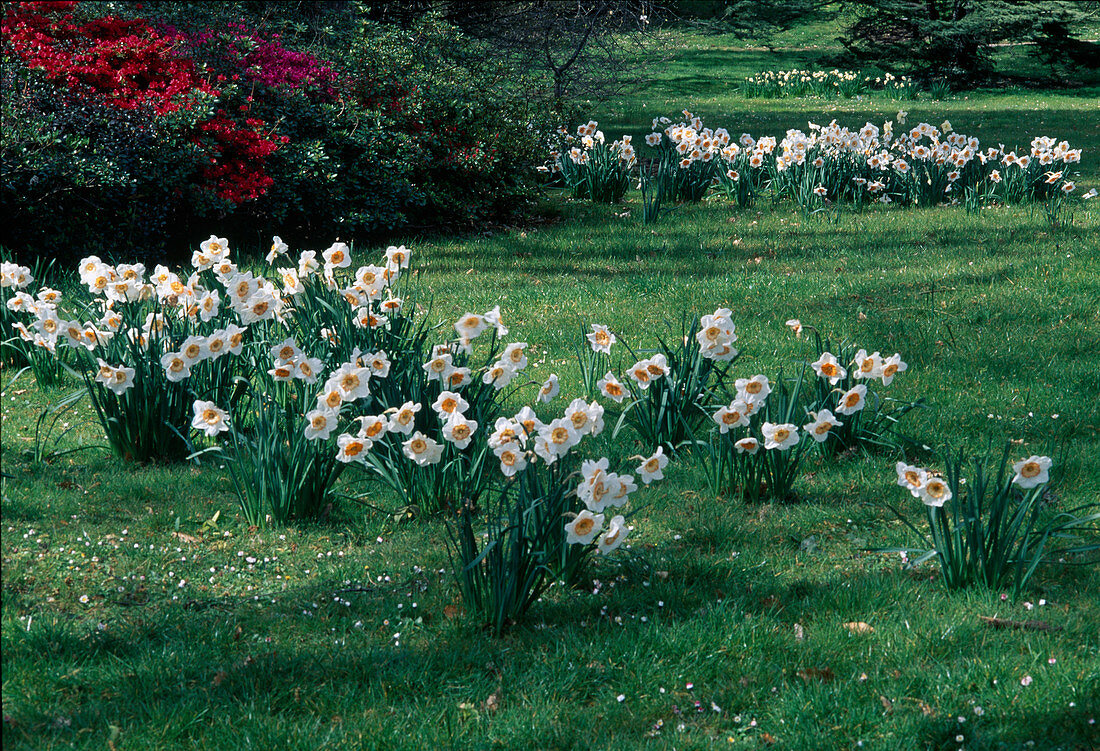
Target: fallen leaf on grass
859 627
886 704
450 611
1028 625
492 704
824 675
186 537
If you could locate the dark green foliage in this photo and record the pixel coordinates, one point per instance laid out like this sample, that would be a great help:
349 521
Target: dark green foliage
953 39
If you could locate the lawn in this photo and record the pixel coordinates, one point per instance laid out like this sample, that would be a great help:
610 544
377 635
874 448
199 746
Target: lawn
141 612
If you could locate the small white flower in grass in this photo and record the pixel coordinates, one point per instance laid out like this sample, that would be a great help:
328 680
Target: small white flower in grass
601 338
584 528
891 366
747 446
422 450
613 538
754 389
1026 680
780 437
824 421
827 366
278 248
404 418
449 403
934 492
1091 194
610 387
867 366
458 430
352 448
499 375
911 478
209 418
549 389
795 325
470 326
652 468
512 459
1033 471
853 400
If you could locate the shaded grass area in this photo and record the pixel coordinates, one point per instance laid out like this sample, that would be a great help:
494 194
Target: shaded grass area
350 633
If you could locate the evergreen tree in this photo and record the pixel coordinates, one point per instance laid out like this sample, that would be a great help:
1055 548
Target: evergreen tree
954 39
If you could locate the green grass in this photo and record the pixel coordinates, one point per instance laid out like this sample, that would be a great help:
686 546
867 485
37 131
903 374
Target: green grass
350 633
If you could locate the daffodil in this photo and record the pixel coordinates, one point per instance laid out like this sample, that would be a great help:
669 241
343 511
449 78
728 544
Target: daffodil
499 374
515 356
852 400
373 427
934 491
449 403
823 422
512 458
470 325
731 416
319 424
910 477
1031 472
422 450
891 366
610 387
652 467
352 448
404 418
779 436
458 430
601 338
827 366
755 389
614 537
584 528
747 446
549 389
176 367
